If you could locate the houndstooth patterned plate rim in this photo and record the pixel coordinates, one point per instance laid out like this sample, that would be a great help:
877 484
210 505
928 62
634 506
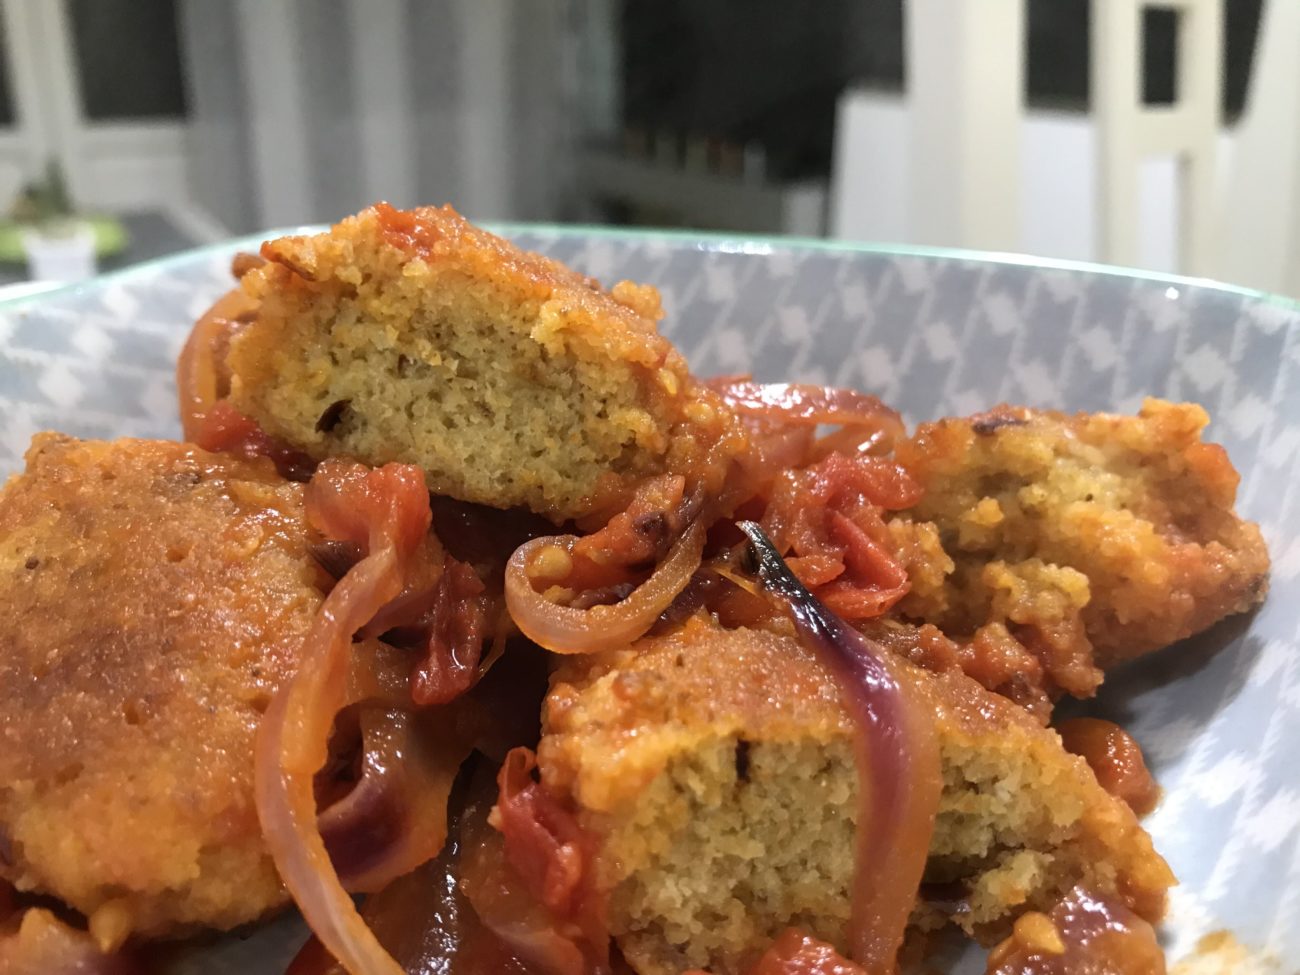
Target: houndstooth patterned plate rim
933 333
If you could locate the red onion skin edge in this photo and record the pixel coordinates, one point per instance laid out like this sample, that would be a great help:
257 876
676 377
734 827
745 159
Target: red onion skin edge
896 757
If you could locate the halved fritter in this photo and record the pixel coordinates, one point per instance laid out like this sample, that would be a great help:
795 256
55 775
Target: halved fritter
414 336
1092 538
716 767
152 599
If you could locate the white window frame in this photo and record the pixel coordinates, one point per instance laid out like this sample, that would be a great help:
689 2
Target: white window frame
118 165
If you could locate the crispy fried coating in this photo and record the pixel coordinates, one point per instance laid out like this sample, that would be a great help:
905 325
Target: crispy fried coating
414 336
152 599
716 765
1090 538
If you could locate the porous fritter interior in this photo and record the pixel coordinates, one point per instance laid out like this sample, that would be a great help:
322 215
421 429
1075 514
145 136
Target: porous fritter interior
717 767
155 596
511 380
1090 538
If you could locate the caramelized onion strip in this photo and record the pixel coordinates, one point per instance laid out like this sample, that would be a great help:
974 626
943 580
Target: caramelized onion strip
567 629
531 932
805 403
395 817
897 757
199 382
533 883
424 918
387 510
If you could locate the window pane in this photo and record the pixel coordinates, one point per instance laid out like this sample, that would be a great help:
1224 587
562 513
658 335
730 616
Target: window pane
127 58
1057 56
757 73
1159 56
6 97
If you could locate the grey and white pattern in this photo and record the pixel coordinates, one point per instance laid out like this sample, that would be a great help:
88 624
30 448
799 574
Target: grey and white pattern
931 334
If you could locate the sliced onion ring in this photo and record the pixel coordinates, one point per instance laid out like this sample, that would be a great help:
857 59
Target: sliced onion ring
565 629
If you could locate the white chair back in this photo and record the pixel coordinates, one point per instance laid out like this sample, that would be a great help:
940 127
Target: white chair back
1129 131
965 79
1258 230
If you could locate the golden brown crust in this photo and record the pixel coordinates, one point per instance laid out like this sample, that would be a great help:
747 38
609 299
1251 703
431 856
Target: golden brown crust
624 319
709 855
1094 537
414 336
154 596
640 705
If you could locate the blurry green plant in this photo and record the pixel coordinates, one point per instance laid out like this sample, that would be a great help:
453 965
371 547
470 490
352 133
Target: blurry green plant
44 208
45 204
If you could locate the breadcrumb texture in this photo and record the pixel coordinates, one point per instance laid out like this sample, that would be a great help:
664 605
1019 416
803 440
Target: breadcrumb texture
152 599
717 766
1092 538
414 336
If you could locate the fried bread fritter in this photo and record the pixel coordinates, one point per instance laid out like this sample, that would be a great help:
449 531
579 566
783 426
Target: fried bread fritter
1090 539
414 336
153 597
716 767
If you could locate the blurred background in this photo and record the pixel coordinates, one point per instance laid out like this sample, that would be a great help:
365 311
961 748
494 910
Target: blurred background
1159 135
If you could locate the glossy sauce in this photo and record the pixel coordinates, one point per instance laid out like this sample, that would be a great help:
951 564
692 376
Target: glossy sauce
1116 760
1083 935
796 953
426 923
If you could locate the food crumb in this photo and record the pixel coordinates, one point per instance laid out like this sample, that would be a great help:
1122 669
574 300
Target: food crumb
1220 953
